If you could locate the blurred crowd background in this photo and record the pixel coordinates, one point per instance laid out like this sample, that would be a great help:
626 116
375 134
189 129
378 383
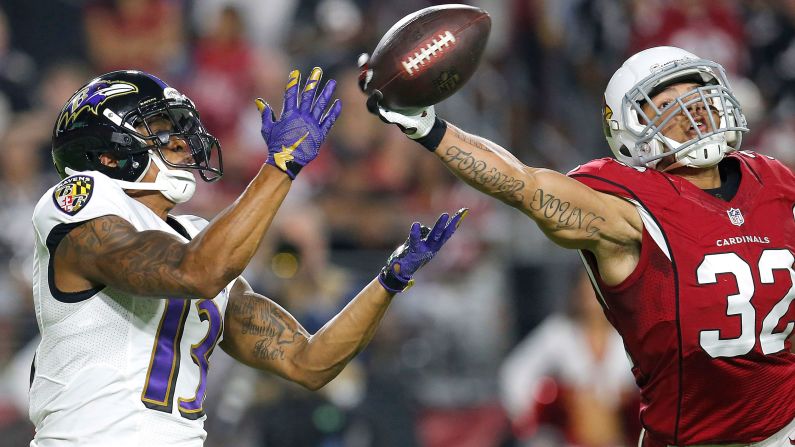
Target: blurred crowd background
500 343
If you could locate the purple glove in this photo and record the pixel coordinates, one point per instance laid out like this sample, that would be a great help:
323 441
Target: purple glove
421 246
295 138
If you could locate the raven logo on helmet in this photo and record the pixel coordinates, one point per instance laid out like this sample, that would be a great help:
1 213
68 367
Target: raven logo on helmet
90 98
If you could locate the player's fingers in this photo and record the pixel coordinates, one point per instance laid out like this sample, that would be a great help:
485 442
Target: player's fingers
454 223
291 92
268 117
436 233
365 73
362 60
308 94
323 99
265 110
372 102
415 234
331 117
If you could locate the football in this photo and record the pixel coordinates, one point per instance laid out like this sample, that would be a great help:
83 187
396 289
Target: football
426 56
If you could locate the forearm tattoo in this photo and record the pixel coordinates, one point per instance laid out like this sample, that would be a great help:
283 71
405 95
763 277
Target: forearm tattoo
490 179
470 139
483 176
564 214
264 324
142 262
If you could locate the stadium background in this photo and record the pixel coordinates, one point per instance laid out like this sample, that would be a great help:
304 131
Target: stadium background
431 375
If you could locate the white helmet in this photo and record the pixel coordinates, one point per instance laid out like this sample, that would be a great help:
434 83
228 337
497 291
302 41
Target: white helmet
637 140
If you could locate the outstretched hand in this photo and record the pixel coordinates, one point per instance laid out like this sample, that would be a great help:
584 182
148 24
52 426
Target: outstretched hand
414 126
294 139
421 246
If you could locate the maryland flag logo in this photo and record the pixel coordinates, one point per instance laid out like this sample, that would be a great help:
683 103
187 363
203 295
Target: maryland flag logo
73 193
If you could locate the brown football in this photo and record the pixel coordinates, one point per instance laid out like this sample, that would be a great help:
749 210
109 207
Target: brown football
427 56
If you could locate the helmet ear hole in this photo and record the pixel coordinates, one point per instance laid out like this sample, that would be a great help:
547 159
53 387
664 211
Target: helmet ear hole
624 150
105 159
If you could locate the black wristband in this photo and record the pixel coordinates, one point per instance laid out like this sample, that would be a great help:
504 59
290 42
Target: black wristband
434 137
391 282
293 168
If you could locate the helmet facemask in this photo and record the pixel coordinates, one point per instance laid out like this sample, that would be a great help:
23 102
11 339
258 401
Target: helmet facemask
186 126
721 122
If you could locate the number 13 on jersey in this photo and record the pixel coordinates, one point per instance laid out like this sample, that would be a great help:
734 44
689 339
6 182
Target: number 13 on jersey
164 367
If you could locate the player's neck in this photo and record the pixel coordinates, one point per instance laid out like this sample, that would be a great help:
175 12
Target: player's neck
153 200
704 178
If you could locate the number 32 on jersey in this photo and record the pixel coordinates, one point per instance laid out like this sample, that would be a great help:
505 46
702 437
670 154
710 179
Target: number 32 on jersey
740 303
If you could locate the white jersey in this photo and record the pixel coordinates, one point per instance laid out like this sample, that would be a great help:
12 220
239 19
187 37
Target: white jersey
113 368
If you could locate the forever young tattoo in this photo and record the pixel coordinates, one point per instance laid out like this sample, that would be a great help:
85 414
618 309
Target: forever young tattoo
482 174
565 215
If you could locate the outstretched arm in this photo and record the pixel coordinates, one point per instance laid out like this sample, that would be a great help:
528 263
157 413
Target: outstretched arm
568 212
260 333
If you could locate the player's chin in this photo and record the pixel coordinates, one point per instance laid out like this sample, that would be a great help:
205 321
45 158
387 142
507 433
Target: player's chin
666 161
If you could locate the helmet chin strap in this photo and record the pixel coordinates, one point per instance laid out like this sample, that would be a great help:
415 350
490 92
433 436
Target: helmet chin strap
176 185
704 154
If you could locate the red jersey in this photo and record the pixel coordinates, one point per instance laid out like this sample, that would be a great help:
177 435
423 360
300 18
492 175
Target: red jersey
706 315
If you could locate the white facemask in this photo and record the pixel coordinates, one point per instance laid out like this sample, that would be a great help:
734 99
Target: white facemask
176 185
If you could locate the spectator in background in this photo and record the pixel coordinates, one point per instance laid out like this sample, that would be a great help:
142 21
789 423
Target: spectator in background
148 35
222 72
243 146
569 380
713 30
17 74
223 75
268 25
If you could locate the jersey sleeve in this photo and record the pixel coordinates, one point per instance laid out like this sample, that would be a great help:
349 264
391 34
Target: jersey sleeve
646 186
605 175
77 199
192 224
766 166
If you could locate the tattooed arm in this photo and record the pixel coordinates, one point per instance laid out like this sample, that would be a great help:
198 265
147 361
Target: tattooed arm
261 334
109 251
568 212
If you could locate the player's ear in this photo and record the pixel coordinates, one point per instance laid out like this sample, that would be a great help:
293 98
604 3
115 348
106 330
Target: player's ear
108 160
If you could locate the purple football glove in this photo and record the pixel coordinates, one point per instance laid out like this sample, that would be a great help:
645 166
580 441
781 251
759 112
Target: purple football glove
421 246
295 138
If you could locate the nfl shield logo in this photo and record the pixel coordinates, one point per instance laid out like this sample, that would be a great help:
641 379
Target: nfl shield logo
735 216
